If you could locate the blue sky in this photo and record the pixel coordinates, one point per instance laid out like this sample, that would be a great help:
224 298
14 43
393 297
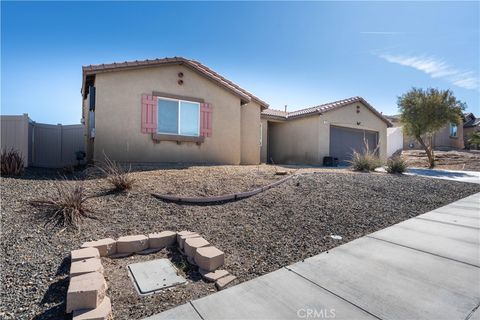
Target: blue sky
298 54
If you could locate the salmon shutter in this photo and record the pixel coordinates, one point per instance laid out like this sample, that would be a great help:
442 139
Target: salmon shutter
149 113
206 120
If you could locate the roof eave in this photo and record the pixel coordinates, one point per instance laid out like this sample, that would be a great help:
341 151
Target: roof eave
88 70
272 117
263 104
318 112
389 124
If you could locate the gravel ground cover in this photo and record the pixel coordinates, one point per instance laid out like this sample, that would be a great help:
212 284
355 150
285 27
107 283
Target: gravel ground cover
199 181
258 235
449 160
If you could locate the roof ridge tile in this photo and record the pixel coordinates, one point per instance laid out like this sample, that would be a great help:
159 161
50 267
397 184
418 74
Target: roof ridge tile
318 109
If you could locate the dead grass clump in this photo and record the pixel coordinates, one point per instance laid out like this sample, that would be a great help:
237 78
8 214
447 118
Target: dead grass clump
119 177
367 160
396 165
11 162
66 207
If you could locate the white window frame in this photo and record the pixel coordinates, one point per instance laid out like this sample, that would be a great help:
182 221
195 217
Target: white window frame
456 131
179 107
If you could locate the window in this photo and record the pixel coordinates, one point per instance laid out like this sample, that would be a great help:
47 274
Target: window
453 130
178 117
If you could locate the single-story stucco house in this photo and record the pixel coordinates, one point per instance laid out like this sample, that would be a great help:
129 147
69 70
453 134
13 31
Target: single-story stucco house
448 137
176 110
333 129
168 110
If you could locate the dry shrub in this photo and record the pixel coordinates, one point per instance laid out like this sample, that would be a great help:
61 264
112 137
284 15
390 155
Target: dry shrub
11 162
121 179
66 207
366 160
396 165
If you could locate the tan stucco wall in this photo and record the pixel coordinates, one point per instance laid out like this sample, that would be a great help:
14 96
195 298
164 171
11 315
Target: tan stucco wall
307 140
441 139
250 133
295 141
263 148
118 118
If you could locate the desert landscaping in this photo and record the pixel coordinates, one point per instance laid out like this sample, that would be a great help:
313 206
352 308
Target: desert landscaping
321 161
467 160
259 234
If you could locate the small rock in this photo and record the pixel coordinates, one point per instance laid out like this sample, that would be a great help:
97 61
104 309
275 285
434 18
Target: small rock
222 283
213 276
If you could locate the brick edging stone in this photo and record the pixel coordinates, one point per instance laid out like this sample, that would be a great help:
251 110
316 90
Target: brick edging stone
87 291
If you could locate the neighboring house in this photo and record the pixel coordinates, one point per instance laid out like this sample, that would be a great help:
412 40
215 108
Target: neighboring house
448 137
168 110
471 124
334 129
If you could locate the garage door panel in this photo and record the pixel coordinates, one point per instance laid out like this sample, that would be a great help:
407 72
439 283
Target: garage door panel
344 141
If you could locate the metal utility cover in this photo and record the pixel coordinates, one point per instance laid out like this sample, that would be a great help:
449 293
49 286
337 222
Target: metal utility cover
151 276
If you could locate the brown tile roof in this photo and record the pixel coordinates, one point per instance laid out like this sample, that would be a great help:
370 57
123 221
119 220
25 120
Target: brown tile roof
244 95
278 114
393 118
275 113
471 120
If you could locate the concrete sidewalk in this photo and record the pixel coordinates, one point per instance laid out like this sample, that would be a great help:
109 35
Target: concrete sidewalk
453 175
427 267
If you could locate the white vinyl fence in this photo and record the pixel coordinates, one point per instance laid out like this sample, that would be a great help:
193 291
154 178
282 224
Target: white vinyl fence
394 140
44 145
14 134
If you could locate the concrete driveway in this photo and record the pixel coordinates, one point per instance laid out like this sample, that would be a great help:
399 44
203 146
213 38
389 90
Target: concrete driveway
454 175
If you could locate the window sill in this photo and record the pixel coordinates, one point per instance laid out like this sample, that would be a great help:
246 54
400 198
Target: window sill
158 137
452 137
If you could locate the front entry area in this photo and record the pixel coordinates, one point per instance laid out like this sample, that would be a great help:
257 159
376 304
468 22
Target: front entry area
343 141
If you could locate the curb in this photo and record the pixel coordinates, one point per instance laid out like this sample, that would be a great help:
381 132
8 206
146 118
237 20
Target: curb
224 198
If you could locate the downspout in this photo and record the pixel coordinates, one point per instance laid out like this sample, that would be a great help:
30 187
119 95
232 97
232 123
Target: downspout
319 157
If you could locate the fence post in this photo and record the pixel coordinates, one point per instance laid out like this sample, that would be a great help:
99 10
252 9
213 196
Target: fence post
25 138
59 142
